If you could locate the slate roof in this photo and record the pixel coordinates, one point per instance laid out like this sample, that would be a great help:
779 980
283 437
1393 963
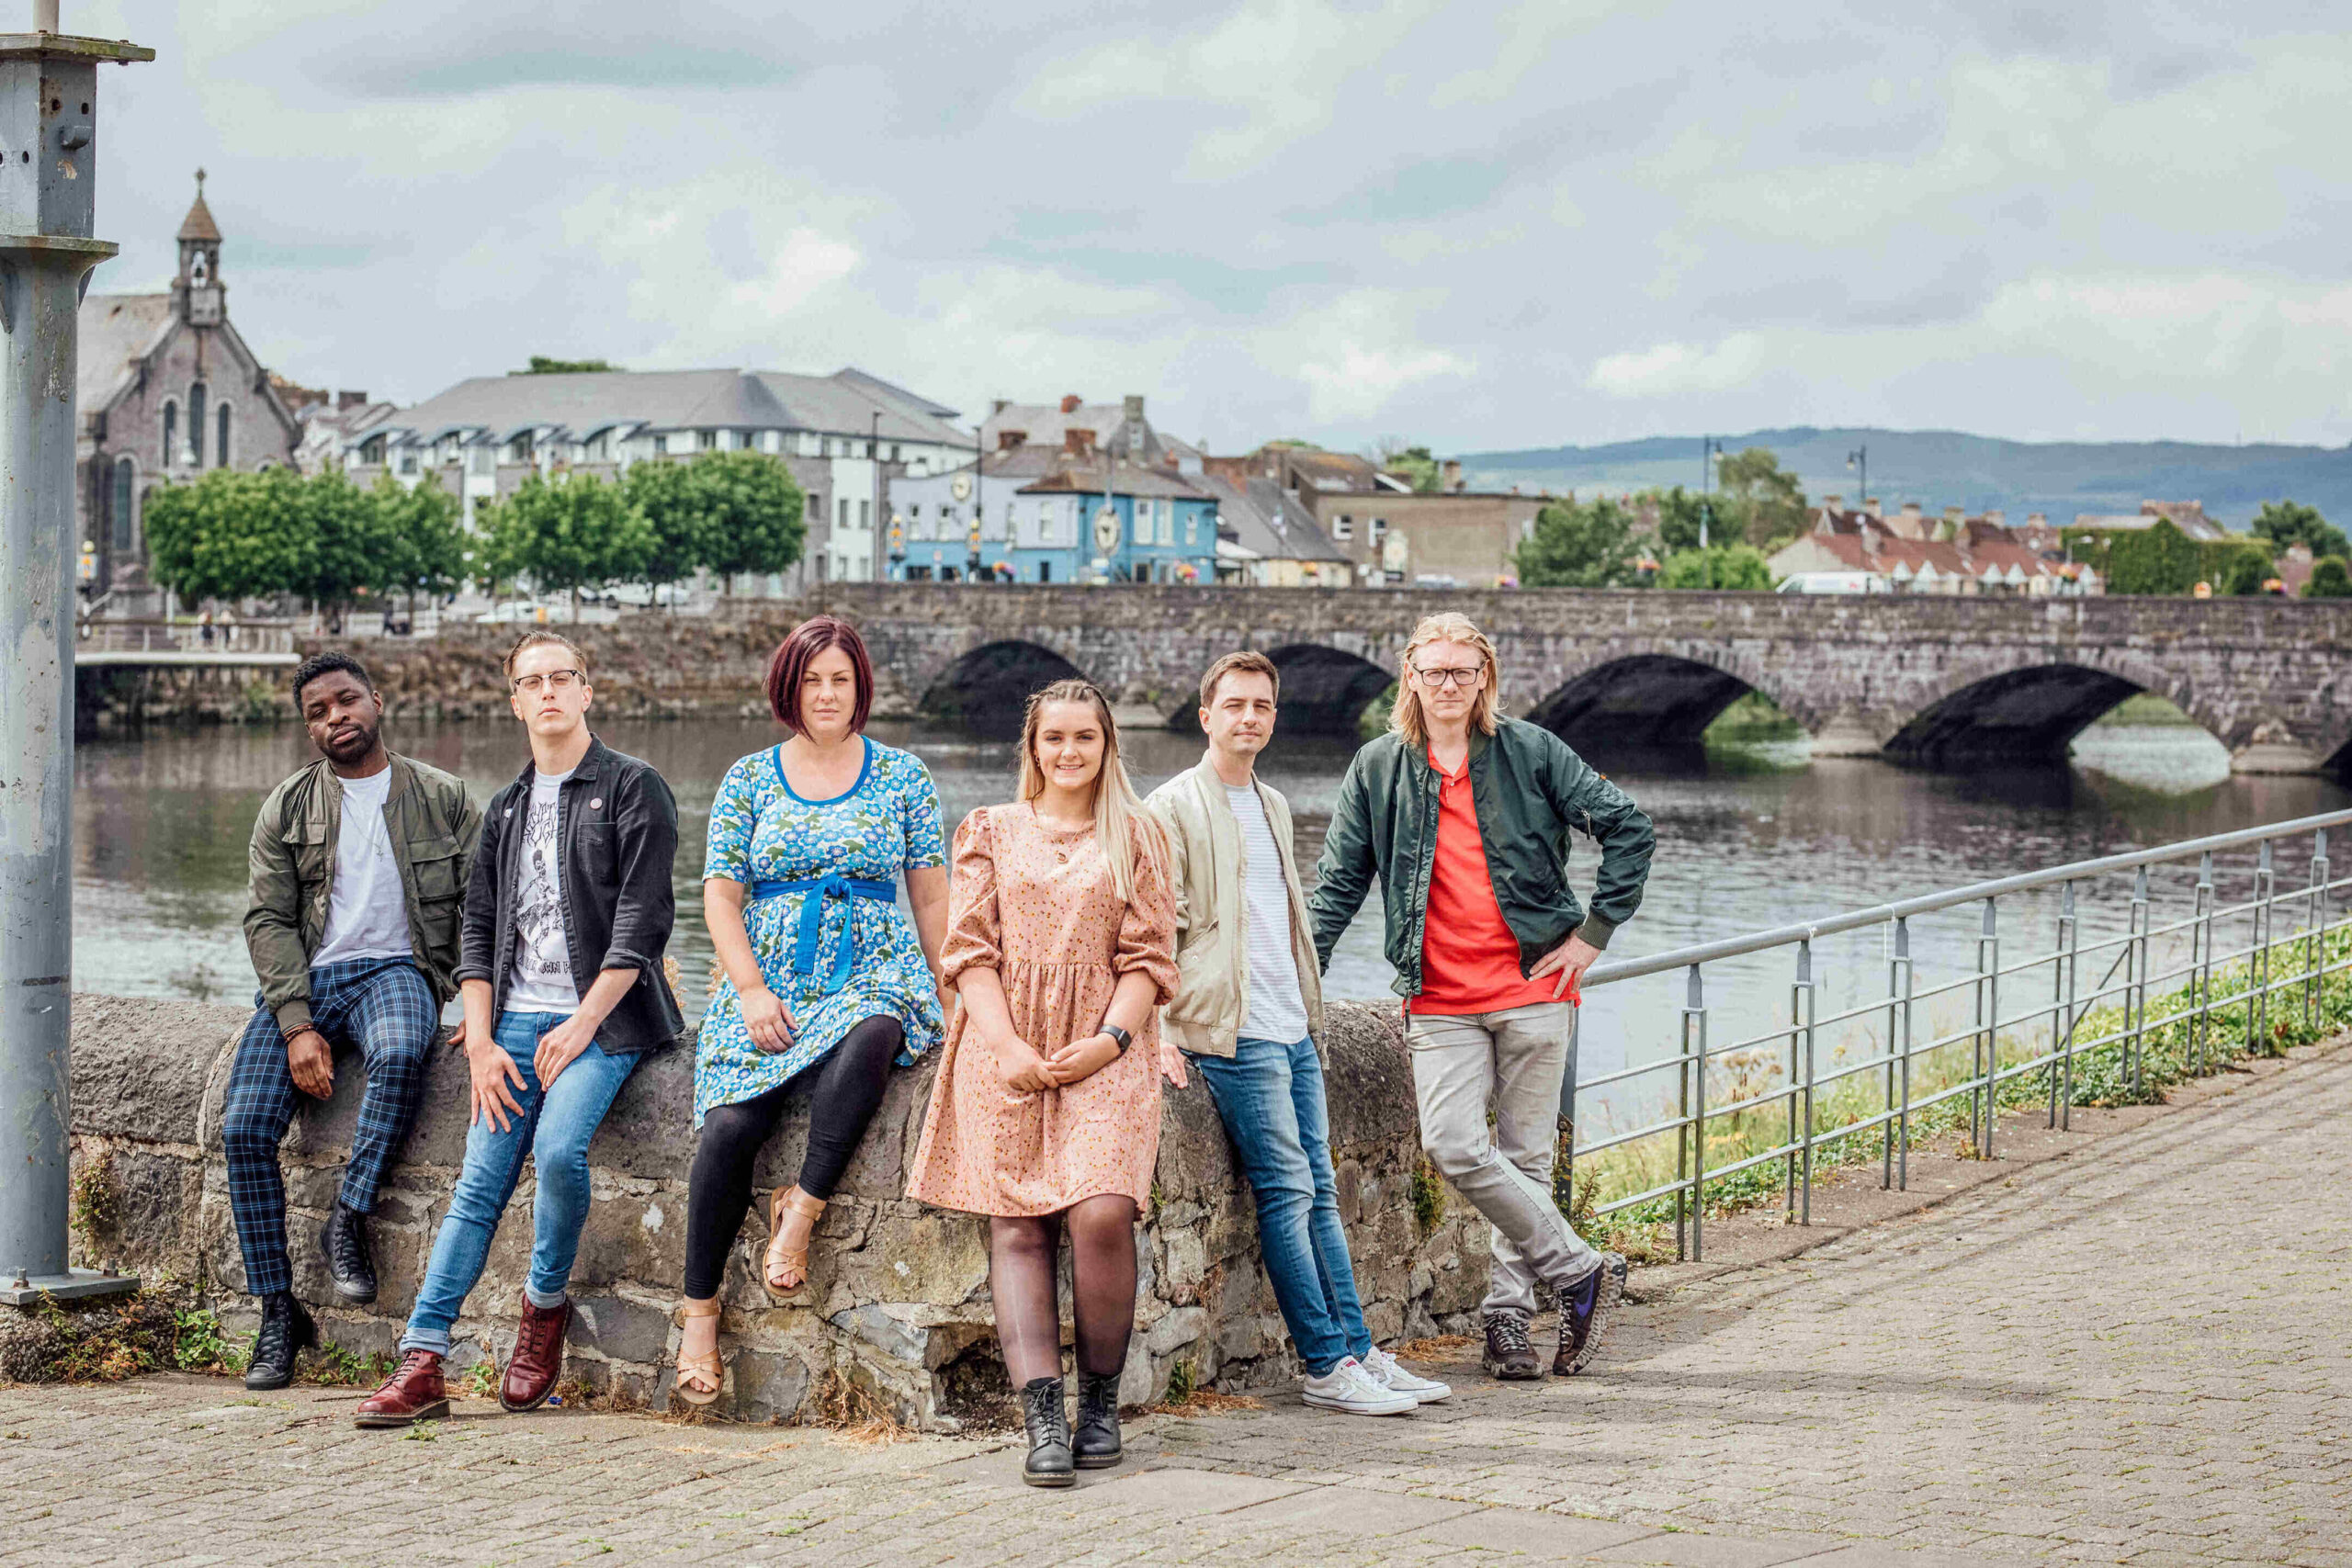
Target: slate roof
117 331
198 224
1268 523
582 402
1073 476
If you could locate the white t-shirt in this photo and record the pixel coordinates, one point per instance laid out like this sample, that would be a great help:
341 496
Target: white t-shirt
1275 1010
542 978
366 909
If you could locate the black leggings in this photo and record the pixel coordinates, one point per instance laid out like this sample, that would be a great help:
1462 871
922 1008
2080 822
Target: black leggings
848 1086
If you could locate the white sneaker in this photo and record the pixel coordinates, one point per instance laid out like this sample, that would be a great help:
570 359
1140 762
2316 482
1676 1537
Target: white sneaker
1383 1369
1351 1388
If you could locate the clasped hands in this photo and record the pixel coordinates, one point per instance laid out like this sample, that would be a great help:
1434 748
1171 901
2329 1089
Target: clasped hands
1020 1067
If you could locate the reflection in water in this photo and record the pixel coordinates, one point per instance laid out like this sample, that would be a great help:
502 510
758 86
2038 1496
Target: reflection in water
1746 840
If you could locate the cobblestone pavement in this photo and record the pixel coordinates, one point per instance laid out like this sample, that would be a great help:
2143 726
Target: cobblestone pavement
2141 1353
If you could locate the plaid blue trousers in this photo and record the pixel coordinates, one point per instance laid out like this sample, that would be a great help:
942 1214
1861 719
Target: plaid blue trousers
383 1007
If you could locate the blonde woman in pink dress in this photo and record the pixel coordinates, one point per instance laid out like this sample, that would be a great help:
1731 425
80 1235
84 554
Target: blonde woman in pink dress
1045 1116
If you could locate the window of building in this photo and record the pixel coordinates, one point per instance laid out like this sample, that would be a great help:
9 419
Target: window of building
221 445
841 519
485 458
1167 520
1343 528
408 459
1379 529
195 425
598 447
1143 572
1141 531
124 518
706 441
1045 572
866 512
520 449
371 451
1192 527
171 434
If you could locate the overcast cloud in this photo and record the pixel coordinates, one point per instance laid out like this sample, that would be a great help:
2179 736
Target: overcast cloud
1480 225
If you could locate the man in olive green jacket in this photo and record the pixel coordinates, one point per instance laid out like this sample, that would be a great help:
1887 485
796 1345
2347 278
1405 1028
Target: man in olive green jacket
357 864
1464 817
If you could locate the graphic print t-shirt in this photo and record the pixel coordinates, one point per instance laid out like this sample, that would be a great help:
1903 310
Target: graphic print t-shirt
542 980
366 909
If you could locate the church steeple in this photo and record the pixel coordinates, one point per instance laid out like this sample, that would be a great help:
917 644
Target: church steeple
197 292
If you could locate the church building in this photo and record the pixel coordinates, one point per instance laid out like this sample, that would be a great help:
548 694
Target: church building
166 388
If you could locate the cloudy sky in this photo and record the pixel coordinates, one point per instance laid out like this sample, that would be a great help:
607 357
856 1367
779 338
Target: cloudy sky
1478 225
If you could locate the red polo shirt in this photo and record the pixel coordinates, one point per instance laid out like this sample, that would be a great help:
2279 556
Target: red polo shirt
1469 958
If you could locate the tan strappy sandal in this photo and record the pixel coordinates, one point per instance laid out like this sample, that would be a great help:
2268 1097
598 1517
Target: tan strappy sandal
704 1367
786 1268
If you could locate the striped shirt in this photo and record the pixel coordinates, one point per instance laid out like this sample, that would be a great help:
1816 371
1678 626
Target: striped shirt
1275 1010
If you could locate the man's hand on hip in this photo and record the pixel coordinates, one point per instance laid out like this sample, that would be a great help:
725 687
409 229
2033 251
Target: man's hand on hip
1569 960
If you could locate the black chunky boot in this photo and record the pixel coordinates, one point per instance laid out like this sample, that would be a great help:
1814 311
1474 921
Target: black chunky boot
285 1331
1096 1442
351 1267
1049 1463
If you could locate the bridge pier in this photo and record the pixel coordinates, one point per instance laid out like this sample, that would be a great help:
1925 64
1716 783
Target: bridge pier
1846 734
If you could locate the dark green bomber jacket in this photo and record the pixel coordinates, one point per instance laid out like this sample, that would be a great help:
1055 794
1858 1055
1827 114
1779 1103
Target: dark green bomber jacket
1530 789
434 826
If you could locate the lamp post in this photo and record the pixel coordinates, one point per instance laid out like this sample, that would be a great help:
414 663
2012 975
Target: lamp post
1858 460
1711 452
48 103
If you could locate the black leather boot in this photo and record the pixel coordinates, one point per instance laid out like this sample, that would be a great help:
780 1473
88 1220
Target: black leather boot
285 1331
1049 1463
351 1267
1095 1444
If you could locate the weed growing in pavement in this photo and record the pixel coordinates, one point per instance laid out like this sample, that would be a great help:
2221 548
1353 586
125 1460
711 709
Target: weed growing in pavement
159 1328
2237 1024
96 1203
1429 1197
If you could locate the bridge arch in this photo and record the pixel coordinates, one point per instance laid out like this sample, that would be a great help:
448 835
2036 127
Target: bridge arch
2026 713
1651 697
1325 689
985 689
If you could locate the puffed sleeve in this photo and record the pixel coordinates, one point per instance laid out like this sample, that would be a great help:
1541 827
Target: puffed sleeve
918 812
1147 928
975 936
734 816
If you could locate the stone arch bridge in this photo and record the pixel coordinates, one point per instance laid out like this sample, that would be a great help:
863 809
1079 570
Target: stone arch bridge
1938 682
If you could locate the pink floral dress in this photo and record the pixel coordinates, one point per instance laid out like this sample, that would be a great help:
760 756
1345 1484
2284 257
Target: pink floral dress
1035 904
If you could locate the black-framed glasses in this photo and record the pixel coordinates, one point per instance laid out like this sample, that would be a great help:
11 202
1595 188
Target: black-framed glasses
553 681
1448 675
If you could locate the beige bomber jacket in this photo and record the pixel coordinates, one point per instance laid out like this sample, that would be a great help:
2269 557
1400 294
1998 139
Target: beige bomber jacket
1211 916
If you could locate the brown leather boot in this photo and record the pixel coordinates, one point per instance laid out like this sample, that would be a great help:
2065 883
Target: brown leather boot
539 1357
414 1394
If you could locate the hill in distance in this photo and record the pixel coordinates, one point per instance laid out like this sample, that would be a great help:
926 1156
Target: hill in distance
1948 468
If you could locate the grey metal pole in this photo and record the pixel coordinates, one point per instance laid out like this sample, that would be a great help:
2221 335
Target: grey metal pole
48 98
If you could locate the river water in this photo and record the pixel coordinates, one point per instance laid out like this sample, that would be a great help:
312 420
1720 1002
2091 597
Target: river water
1747 837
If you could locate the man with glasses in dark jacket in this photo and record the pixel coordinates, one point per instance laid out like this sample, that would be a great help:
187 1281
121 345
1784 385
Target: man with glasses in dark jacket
567 917
1464 815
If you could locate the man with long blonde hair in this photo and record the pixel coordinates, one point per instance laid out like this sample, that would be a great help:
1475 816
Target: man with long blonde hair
1464 817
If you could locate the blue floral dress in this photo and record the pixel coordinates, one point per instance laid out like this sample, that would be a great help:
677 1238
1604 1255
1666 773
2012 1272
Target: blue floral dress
761 832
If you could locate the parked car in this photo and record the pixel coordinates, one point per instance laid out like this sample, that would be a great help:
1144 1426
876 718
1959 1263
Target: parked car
1833 582
526 612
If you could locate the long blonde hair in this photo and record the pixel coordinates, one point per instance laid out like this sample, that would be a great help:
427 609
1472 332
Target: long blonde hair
1405 716
1121 824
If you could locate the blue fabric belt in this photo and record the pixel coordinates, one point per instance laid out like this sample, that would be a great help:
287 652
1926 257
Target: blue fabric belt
812 916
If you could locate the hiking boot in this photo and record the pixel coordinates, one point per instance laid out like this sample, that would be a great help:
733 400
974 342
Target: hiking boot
285 1331
1095 1444
415 1393
1586 1308
342 1242
1509 1354
1049 1463
539 1357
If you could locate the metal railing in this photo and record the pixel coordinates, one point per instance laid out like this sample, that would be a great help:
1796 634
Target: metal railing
184 636
1971 1049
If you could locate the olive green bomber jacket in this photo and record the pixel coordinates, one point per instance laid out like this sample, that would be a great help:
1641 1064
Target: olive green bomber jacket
1530 790
434 826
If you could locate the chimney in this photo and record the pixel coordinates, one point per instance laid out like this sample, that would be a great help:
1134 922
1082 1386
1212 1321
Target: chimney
1132 407
1450 474
1834 503
1070 402
2037 520
350 400
1997 519
1078 442
1955 513
1006 440
998 405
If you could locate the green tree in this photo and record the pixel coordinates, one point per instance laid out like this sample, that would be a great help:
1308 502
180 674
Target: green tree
2286 523
572 533
1678 516
230 534
427 528
677 511
1762 499
2331 579
542 366
1579 544
354 552
1413 463
2241 569
1717 566
751 511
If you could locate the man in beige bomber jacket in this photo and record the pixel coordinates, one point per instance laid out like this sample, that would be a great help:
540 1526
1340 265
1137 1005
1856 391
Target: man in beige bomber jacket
1248 1004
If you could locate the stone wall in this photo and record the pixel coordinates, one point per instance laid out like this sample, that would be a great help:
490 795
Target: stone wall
897 1300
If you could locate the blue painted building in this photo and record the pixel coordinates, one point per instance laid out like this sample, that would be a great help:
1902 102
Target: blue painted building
1071 514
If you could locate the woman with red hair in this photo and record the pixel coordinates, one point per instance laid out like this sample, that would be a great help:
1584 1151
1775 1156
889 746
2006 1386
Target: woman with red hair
824 973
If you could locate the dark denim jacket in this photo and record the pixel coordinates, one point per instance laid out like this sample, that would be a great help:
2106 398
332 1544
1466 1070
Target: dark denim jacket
618 826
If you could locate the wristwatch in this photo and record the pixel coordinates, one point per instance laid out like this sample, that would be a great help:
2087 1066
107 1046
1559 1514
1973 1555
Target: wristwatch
1121 1036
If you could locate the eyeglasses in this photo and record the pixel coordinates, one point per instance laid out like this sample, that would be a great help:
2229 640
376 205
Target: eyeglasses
553 681
1448 675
